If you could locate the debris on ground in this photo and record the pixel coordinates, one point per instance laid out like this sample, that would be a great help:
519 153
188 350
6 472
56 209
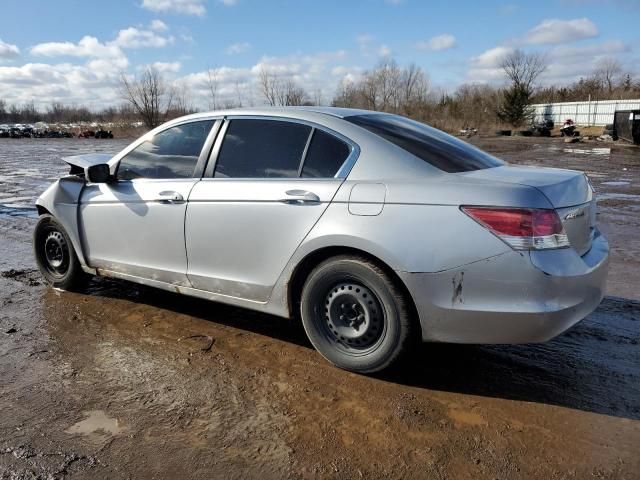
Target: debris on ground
467 132
209 341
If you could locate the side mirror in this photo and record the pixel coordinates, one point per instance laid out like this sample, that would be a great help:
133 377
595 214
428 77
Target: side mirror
100 173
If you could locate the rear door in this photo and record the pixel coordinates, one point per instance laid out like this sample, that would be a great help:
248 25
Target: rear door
268 182
135 225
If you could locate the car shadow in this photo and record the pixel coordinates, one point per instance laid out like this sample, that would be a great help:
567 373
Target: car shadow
593 367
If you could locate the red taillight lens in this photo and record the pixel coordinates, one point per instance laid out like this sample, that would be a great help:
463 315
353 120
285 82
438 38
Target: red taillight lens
522 228
546 222
508 221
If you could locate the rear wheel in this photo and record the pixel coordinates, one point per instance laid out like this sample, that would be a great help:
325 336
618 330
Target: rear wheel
355 314
55 256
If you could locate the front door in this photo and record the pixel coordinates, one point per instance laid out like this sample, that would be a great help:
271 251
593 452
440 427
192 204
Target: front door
135 224
270 183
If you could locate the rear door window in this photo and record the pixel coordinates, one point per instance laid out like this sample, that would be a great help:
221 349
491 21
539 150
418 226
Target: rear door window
254 148
435 147
325 155
172 153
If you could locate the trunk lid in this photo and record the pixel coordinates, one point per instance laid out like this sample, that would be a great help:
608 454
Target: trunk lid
568 191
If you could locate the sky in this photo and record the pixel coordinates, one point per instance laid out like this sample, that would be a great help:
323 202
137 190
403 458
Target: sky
75 51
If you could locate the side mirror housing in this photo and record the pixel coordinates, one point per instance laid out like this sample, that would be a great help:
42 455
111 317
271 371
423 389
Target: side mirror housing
100 173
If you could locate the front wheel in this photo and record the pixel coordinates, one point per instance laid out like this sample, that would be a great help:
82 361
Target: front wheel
356 315
55 256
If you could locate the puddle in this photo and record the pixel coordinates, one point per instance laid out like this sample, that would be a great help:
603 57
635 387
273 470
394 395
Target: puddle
588 151
18 211
97 423
618 196
617 183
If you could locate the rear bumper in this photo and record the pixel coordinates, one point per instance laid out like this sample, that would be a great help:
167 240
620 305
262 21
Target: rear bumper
516 297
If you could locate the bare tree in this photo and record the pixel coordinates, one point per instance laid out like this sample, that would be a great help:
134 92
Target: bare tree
212 83
269 86
317 97
149 95
523 69
414 85
239 94
607 70
293 94
182 101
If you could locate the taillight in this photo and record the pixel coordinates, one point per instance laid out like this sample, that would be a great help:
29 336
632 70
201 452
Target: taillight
522 228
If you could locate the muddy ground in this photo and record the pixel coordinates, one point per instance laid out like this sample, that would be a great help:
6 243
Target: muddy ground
123 381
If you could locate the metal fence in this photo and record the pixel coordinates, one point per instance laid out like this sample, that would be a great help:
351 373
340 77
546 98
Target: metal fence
583 113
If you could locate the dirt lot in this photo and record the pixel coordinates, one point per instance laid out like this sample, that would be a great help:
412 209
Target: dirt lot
127 382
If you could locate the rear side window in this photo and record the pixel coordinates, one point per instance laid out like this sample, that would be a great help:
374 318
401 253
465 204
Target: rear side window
172 153
435 147
262 149
325 155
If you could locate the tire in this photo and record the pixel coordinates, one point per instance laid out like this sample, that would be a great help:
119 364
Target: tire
355 315
55 256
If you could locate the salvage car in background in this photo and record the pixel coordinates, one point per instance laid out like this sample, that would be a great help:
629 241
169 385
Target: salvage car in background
374 229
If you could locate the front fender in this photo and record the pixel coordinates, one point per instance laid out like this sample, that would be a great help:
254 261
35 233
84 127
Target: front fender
61 200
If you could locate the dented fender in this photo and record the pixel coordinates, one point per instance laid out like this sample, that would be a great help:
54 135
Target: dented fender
61 200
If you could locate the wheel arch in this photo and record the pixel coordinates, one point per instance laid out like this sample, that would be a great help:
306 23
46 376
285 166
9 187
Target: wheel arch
313 259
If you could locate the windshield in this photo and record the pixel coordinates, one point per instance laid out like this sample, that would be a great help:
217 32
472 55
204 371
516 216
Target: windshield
435 147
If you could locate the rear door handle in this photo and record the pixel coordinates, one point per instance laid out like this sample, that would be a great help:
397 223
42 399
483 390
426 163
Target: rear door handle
169 196
299 197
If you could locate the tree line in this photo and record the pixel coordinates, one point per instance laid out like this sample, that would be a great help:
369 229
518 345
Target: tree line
406 90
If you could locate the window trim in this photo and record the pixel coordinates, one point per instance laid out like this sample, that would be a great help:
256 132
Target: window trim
202 157
341 174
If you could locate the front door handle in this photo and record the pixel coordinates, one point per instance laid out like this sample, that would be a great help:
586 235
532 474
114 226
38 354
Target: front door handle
169 196
300 197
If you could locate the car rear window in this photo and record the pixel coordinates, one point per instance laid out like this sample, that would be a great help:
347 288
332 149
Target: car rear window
325 155
262 149
435 147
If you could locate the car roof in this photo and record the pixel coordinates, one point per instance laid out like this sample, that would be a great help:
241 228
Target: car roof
297 111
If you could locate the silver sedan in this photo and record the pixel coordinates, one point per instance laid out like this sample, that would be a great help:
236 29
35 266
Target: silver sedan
375 230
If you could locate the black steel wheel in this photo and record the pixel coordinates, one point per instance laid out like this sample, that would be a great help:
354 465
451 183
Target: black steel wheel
356 315
55 256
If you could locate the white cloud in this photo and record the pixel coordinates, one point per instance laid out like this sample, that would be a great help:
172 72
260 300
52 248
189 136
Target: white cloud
491 58
187 7
439 42
237 48
87 47
94 84
133 37
556 31
565 63
486 66
164 67
309 71
229 3
8 50
158 26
